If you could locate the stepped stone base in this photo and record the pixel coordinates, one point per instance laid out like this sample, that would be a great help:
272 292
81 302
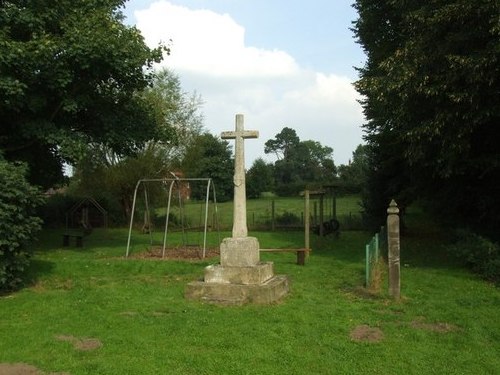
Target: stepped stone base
240 277
268 292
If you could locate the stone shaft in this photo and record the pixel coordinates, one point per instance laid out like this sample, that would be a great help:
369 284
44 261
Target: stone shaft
240 207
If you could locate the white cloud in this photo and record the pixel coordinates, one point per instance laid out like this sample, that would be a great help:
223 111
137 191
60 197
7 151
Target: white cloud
268 86
208 42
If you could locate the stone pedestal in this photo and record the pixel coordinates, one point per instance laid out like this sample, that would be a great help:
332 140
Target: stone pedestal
240 277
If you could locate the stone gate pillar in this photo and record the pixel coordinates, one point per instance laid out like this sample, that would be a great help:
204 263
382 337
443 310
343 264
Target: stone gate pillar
393 244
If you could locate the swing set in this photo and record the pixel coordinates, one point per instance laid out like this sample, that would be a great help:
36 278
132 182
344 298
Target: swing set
175 186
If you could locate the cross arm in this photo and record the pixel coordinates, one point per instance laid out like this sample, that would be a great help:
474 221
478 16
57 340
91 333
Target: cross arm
243 134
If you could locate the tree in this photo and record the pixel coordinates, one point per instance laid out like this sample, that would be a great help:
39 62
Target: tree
259 178
115 181
177 113
70 74
299 162
18 223
431 97
353 175
210 157
283 143
104 172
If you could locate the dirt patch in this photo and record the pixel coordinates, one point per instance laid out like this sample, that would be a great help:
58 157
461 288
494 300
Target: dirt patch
18 369
361 292
178 253
83 344
23 369
365 333
434 327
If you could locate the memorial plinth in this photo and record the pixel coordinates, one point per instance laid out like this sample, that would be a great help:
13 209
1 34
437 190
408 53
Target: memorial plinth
240 277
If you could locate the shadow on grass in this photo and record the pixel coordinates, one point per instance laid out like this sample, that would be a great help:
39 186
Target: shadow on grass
37 269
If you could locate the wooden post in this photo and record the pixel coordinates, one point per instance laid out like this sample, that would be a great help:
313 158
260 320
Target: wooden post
393 244
272 216
306 221
321 216
334 205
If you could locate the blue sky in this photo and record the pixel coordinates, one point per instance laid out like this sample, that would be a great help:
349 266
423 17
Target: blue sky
279 62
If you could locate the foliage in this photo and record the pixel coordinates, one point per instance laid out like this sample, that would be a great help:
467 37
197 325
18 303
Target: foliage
352 177
283 143
70 74
299 162
96 177
18 225
176 112
178 123
430 88
210 157
287 218
259 178
479 253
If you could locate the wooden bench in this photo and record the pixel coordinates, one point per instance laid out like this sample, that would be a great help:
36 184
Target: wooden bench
77 236
301 253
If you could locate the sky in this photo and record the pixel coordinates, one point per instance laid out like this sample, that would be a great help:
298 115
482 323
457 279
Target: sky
280 63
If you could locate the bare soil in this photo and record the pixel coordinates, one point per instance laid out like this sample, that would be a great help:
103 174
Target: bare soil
191 253
365 333
434 327
83 344
23 369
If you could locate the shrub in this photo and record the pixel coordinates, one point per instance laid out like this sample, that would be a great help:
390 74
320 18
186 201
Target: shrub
287 218
18 224
478 252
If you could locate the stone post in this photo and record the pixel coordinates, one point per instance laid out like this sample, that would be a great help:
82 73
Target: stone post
393 244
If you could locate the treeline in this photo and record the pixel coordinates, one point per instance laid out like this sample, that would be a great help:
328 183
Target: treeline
301 165
430 90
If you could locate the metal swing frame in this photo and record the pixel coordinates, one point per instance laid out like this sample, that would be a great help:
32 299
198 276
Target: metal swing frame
173 182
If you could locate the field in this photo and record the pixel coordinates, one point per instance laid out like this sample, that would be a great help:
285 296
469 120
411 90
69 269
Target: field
260 211
91 311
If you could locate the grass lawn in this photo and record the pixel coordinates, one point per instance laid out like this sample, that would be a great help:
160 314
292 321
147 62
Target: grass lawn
90 311
259 211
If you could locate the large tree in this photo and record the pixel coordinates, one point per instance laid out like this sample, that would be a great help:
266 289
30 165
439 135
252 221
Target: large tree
299 163
105 173
210 157
353 175
431 99
70 73
259 178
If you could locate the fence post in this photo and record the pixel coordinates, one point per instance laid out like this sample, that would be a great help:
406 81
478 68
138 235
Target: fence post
306 220
321 216
272 216
393 245
367 265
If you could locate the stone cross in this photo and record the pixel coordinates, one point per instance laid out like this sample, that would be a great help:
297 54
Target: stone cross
240 229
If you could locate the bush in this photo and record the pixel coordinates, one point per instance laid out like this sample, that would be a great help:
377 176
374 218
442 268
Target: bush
287 218
18 224
481 254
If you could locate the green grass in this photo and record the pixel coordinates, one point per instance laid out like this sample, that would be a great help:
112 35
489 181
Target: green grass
136 309
259 211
